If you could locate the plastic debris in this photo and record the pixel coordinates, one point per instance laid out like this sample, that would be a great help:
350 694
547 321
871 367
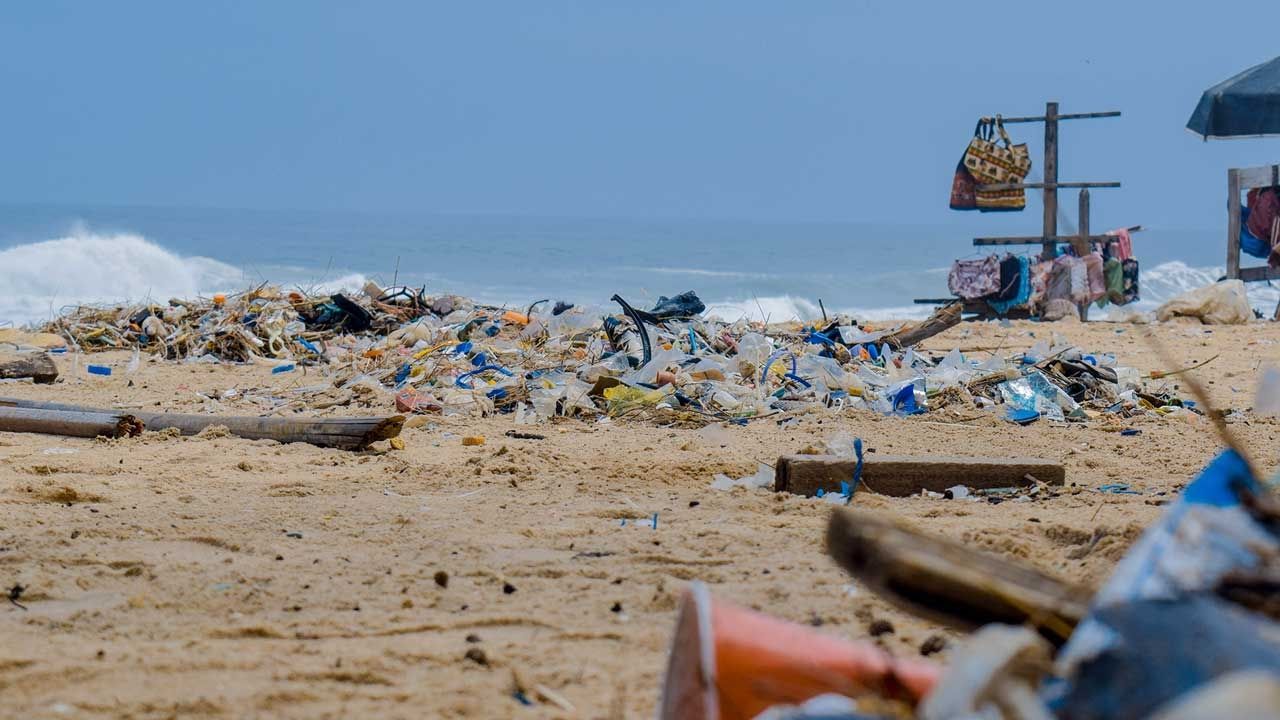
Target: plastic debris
672 364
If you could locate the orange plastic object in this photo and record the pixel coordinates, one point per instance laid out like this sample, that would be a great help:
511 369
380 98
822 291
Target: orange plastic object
730 663
512 316
473 440
219 299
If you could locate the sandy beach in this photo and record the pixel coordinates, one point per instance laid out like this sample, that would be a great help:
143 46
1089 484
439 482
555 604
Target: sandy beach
217 577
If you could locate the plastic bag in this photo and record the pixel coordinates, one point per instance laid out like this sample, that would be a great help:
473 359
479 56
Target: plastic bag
1222 303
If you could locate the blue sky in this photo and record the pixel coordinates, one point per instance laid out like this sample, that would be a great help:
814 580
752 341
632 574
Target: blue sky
813 110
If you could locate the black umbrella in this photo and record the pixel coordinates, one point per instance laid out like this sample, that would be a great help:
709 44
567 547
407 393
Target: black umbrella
1247 105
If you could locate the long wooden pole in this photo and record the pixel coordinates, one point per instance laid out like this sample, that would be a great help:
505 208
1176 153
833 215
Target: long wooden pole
343 433
1050 178
68 423
1233 223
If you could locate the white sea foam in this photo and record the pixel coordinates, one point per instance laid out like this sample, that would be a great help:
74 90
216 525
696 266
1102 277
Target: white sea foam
37 280
785 308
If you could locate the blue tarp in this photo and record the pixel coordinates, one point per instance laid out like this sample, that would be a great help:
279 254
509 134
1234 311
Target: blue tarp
1247 105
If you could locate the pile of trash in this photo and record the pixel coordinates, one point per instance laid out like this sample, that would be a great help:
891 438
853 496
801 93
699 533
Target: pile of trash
1187 626
672 363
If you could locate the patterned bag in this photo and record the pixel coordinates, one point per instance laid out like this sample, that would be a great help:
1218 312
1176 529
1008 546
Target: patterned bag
998 162
963 186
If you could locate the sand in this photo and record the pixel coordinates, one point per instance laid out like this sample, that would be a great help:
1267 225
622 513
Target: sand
219 577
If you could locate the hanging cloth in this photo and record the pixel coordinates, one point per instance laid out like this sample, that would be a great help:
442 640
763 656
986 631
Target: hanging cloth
1122 245
1249 244
1129 270
1094 276
1010 279
1113 276
1022 293
974 279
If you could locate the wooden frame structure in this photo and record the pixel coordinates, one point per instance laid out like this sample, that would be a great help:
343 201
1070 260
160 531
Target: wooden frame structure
1238 181
1048 238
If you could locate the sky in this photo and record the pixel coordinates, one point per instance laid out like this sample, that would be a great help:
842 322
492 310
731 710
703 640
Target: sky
823 110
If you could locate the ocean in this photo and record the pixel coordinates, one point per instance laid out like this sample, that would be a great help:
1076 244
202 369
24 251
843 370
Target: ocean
52 257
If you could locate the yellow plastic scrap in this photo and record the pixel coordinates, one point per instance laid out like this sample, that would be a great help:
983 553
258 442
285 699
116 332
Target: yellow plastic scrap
622 398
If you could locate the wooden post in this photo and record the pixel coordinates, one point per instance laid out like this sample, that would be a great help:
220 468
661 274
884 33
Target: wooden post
1082 245
1050 176
1233 224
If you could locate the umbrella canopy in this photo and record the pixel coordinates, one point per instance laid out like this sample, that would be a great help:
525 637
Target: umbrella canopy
1247 105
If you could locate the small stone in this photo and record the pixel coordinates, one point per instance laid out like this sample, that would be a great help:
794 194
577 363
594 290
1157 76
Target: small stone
617 608
508 588
406 604
477 656
473 638
442 578
880 627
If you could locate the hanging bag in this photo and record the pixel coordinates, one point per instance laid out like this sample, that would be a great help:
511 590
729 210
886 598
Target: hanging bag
963 185
1002 163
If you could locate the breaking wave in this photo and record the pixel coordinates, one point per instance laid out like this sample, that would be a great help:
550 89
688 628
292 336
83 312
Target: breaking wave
38 280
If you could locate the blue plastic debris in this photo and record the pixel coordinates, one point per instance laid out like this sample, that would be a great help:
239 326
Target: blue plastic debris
1020 416
99 370
1130 432
287 367
1158 629
1118 489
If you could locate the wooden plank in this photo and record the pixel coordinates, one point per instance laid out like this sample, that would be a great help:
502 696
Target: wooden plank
902 476
1035 239
1066 116
946 581
1050 179
1233 224
1256 177
1042 186
940 320
1258 274
68 423
343 433
37 366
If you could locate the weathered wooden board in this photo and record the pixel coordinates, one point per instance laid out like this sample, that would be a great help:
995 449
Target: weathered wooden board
900 475
948 582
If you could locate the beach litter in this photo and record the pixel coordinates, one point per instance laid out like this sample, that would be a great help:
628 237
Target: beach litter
1187 626
672 364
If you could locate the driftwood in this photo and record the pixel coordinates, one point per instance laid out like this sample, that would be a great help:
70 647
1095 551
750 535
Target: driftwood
948 582
944 317
37 366
71 424
343 433
901 476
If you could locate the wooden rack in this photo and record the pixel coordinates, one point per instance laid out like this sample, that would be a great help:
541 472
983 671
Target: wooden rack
1238 181
1049 238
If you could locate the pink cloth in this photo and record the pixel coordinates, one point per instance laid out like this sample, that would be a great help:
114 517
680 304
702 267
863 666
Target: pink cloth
1095 278
1122 245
